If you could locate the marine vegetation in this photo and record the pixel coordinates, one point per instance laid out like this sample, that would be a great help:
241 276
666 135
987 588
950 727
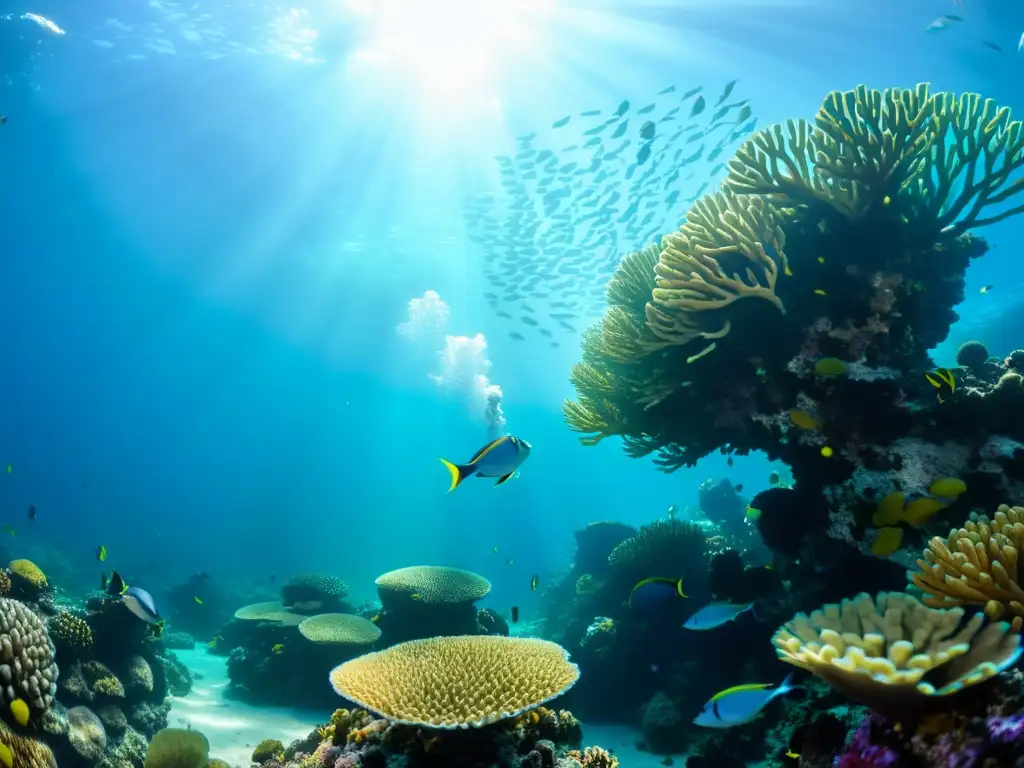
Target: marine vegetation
793 312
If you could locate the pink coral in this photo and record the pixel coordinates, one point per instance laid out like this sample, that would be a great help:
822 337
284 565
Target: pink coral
348 760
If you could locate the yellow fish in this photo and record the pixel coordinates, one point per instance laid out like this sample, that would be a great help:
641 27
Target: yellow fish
6 756
19 709
198 601
101 553
827 451
278 648
534 581
212 643
820 292
753 514
793 755
986 288
944 381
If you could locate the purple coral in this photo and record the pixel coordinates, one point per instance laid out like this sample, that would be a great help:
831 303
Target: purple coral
1006 730
861 752
348 760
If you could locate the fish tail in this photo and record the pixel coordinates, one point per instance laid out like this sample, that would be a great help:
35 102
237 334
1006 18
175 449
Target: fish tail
459 472
787 685
679 588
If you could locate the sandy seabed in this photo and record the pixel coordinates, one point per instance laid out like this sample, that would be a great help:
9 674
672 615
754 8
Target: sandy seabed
234 728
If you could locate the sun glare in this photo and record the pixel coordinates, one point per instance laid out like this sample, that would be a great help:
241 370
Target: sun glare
454 49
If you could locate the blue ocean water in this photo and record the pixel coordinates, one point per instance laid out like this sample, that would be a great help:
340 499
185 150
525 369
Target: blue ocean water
215 215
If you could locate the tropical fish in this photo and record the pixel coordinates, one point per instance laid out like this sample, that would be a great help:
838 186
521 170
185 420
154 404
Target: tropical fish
140 602
198 601
986 288
752 514
740 704
669 89
560 123
654 592
826 451
944 381
101 553
277 648
20 711
6 756
213 642
714 615
499 458
1020 47
673 509
534 581
32 512
698 106
515 614
830 366
993 46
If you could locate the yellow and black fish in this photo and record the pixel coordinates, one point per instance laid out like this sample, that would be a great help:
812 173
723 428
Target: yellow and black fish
534 581
101 553
499 458
117 585
944 381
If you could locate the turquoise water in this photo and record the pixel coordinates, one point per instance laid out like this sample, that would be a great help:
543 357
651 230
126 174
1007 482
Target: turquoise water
214 219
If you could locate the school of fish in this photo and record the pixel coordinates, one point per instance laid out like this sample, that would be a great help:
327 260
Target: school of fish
566 217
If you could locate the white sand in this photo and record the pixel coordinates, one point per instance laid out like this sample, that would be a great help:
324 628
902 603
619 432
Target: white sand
235 728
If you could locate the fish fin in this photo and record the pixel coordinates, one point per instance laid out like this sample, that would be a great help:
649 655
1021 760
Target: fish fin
786 686
488 448
679 588
459 472
505 478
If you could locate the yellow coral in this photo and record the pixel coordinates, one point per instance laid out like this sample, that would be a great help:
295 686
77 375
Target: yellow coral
977 565
26 751
70 631
432 584
718 257
339 629
177 748
593 757
29 573
892 653
457 682
109 686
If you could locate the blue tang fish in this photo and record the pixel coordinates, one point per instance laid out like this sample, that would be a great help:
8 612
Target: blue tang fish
140 602
714 615
740 704
499 458
655 592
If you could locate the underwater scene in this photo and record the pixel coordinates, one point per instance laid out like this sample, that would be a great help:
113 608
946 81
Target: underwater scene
511 384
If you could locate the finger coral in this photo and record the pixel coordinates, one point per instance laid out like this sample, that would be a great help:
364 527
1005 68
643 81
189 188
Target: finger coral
339 629
431 584
27 669
26 752
977 565
893 653
457 682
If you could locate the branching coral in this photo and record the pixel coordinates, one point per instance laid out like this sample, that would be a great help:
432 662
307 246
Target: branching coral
893 653
457 682
977 565
694 277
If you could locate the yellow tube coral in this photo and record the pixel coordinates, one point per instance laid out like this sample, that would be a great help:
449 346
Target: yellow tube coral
977 565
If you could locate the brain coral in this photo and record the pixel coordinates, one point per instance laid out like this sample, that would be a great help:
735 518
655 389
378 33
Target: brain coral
178 748
138 675
70 632
29 575
86 733
313 591
894 654
26 751
339 629
27 668
272 612
664 548
432 585
457 682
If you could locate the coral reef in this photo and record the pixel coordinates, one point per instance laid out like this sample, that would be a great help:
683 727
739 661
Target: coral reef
457 682
28 670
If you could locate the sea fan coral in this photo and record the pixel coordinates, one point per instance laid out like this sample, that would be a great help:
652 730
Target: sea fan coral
457 682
